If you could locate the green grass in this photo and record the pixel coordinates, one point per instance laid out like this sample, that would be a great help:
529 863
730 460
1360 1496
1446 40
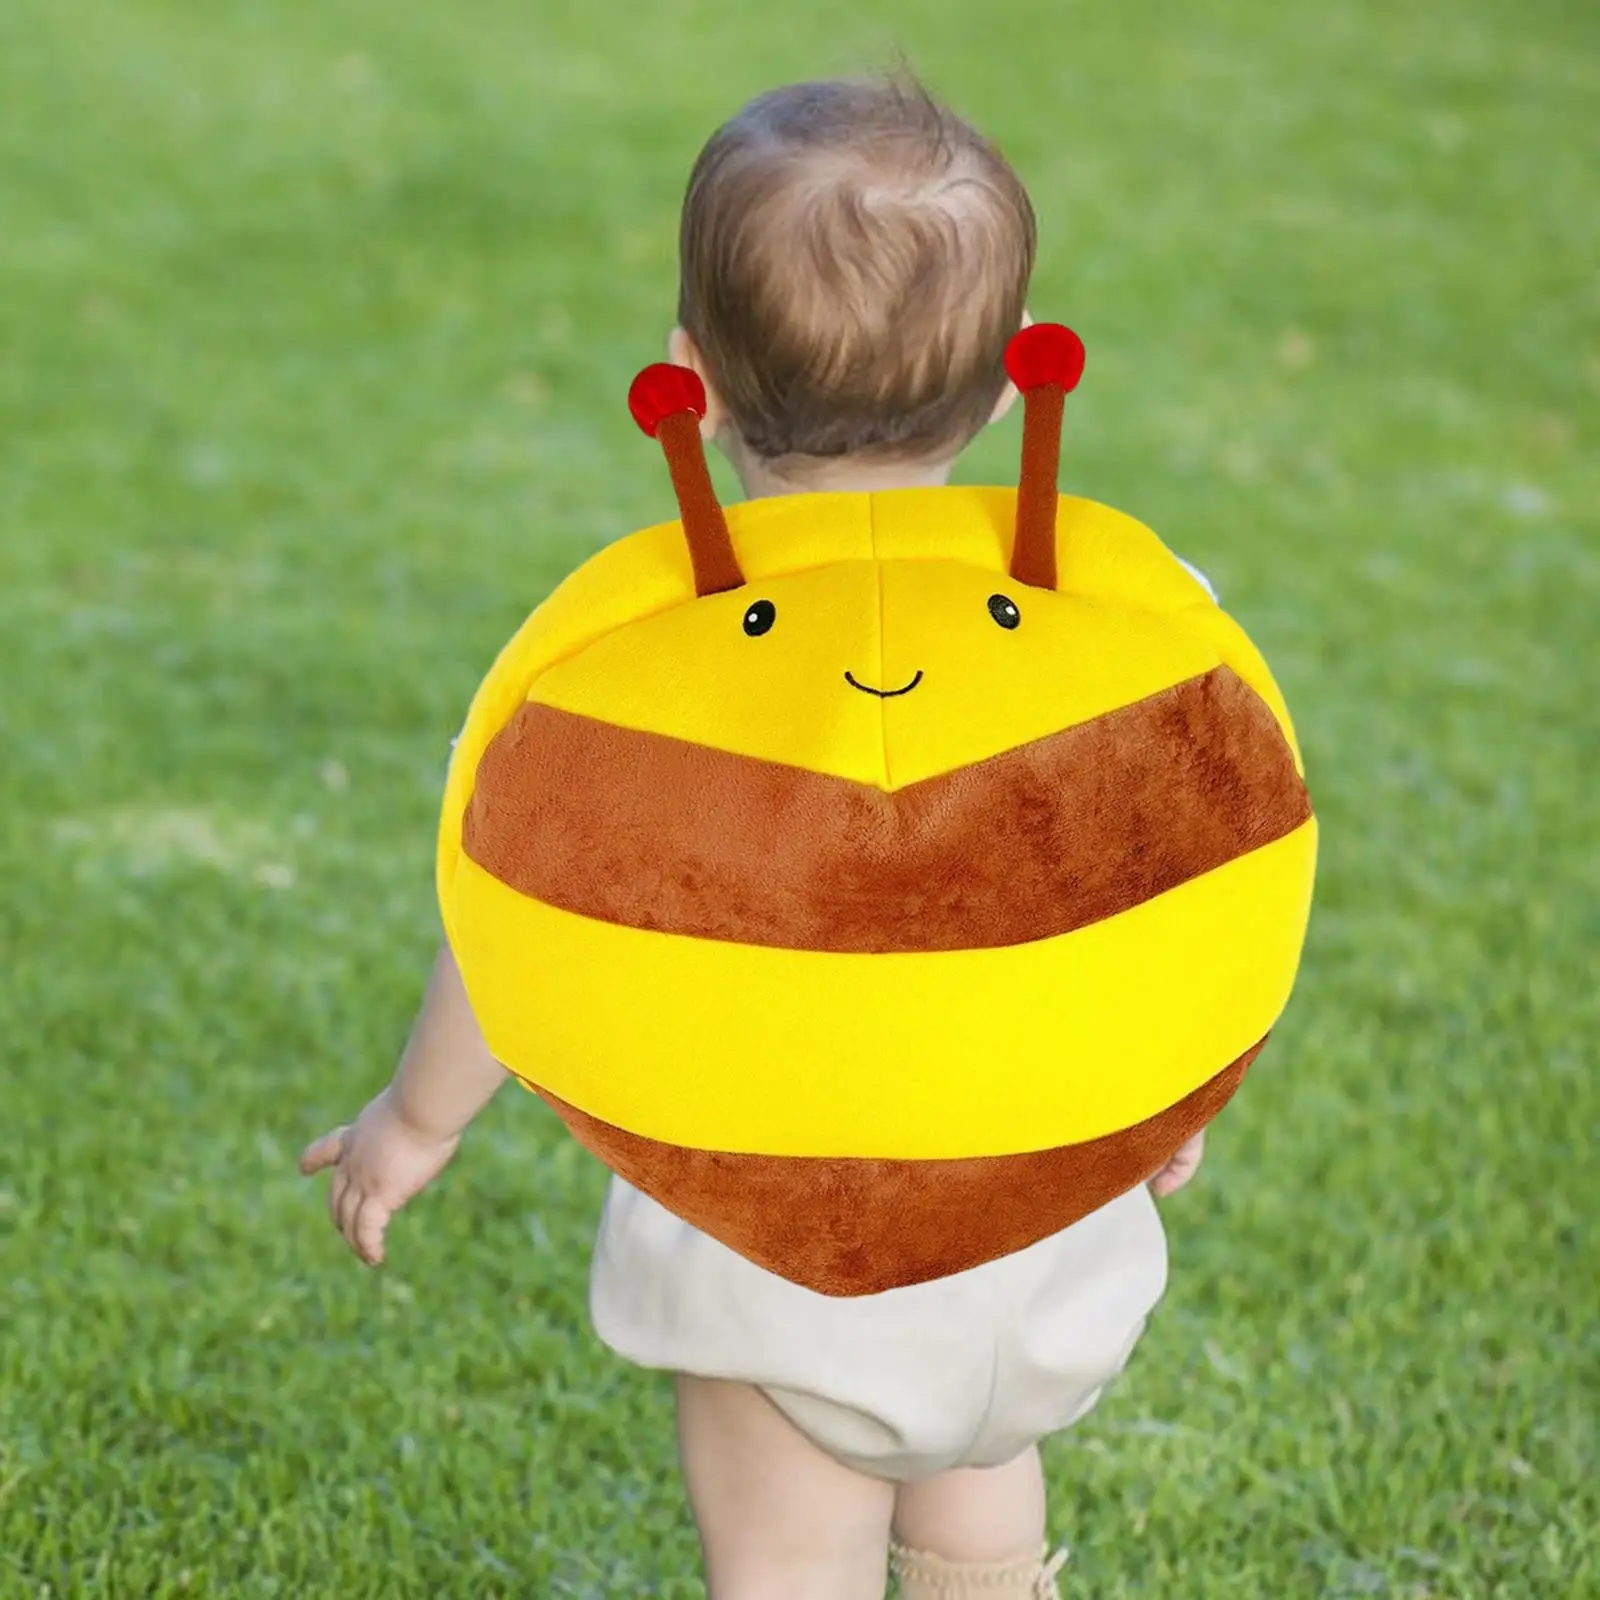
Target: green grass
315 328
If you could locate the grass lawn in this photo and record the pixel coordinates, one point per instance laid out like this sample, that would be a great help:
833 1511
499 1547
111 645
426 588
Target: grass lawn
315 329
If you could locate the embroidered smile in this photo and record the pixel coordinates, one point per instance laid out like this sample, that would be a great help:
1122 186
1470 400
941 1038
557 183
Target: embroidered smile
883 694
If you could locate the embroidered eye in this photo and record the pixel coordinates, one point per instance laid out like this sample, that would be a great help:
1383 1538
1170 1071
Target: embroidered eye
1004 611
760 617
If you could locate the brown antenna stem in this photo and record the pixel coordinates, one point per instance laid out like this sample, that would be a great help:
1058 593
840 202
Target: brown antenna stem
1033 550
668 402
716 567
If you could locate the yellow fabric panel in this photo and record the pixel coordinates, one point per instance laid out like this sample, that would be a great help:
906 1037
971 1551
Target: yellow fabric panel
940 554
1099 551
693 673
649 571
784 697
981 1052
986 688
967 524
1111 556
1102 552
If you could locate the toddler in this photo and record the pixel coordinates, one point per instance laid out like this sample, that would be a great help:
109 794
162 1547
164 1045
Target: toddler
854 258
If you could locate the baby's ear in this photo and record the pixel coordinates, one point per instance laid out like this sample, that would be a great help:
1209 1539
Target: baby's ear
681 352
1008 395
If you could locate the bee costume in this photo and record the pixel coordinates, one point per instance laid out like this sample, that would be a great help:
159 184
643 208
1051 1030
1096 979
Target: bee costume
880 883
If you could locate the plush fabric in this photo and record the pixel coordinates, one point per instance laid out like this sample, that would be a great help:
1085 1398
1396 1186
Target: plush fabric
880 881
655 832
852 1227
729 1046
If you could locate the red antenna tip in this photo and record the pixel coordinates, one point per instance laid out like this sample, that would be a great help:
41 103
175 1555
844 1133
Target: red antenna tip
662 391
1044 353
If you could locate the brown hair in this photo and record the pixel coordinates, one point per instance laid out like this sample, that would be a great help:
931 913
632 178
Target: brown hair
854 257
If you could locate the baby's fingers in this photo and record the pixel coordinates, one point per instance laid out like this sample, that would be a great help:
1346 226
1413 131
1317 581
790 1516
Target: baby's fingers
344 1201
323 1152
370 1222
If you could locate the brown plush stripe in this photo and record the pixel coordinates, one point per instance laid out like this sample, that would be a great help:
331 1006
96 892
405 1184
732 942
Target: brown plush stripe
654 832
859 1226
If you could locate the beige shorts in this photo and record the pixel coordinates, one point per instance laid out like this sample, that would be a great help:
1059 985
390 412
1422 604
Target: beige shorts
964 1371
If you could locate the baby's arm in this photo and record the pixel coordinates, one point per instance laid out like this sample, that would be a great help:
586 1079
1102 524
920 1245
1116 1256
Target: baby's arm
1181 1168
408 1132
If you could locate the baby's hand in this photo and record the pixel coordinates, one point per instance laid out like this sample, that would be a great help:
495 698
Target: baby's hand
1181 1168
379 1163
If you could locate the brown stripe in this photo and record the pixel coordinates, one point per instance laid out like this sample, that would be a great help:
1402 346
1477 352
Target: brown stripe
654 832
859 1226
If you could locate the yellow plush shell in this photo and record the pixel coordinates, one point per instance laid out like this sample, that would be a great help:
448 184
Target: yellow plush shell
872 925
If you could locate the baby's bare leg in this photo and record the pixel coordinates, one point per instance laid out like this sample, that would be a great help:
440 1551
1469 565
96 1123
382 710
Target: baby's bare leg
779 1518
975 1531
975 1513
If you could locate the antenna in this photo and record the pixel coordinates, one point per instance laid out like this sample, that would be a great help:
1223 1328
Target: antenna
668 402
1045 361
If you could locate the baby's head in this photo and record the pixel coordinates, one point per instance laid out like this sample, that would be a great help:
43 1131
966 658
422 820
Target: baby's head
854 258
